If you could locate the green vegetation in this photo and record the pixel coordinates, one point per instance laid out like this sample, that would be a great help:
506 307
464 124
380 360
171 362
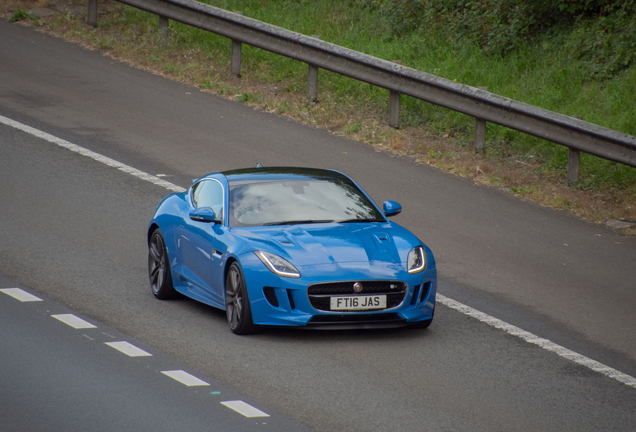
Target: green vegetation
600 35
575 57
21 14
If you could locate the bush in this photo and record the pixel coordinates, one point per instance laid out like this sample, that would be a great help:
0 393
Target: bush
599 33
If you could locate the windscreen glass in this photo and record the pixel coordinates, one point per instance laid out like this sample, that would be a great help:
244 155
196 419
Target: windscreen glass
299 201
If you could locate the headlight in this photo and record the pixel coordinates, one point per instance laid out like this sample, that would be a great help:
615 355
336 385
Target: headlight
416 260
278 265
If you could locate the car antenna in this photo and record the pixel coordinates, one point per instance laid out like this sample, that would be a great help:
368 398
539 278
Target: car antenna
258 165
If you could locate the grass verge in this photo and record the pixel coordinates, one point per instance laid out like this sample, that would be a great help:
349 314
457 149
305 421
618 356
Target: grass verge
526 167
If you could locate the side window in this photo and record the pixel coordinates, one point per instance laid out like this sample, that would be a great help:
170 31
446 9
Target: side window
209 193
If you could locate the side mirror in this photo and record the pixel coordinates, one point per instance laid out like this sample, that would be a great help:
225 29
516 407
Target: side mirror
204 214
391 208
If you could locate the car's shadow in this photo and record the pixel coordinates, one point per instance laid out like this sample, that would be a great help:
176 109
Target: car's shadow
373 334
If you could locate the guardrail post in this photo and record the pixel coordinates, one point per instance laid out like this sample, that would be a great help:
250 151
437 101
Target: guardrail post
394 105
92 13
236 56
551 126
480 131
164 24
312 79
574 159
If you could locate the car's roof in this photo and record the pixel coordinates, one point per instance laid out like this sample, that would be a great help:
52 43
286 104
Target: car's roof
281 173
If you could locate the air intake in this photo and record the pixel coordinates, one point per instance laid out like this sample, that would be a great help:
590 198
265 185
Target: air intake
270 295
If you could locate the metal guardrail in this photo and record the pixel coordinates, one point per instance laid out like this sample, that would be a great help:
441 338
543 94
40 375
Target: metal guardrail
578 135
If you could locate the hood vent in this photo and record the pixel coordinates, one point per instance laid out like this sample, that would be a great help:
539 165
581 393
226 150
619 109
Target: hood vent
383 237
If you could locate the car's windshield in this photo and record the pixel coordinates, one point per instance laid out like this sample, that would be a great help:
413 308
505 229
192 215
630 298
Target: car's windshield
298 201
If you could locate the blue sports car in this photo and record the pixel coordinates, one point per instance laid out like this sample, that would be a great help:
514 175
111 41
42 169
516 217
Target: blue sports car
290 247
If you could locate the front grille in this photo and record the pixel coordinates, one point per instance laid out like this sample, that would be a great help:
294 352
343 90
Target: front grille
320 294
368 287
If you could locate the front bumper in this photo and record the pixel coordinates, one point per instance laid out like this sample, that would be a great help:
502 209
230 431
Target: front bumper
280 301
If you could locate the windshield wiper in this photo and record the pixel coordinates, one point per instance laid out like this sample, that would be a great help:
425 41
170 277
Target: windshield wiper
360 220
297 222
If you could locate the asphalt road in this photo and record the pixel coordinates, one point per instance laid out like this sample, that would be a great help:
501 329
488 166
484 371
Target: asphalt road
62 372
74 230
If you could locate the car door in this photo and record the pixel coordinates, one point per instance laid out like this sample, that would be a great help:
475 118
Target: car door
201 251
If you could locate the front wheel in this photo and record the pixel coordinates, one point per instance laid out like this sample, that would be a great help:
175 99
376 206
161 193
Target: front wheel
237 303
159 267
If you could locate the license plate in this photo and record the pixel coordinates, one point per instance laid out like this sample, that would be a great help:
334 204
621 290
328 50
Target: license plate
358 302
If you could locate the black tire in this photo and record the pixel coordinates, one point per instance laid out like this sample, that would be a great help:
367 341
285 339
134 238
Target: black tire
237 302
159 268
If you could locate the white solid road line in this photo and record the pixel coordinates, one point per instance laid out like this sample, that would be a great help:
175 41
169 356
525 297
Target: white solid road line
185 378
128 349
73 321
20 294
96 156
485 318
539 341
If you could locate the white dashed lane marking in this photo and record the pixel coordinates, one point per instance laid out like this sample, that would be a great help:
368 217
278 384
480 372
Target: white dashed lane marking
20 294
185 378
129 349
73 321
492 321
244 409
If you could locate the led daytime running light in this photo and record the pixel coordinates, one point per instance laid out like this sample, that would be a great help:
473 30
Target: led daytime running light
416 263
281 268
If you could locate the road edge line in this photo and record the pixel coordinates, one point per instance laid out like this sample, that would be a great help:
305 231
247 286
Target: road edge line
91 154
546 344
453 304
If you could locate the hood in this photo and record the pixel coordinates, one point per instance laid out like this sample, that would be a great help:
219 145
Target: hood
334 243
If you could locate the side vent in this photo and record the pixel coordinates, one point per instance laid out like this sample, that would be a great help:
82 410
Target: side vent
291 299
270 295
425 290
416 294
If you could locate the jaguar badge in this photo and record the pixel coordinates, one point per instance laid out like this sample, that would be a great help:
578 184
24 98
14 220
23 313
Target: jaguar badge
357 287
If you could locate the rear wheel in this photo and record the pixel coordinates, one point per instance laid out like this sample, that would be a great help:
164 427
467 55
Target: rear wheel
237 303
159 268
